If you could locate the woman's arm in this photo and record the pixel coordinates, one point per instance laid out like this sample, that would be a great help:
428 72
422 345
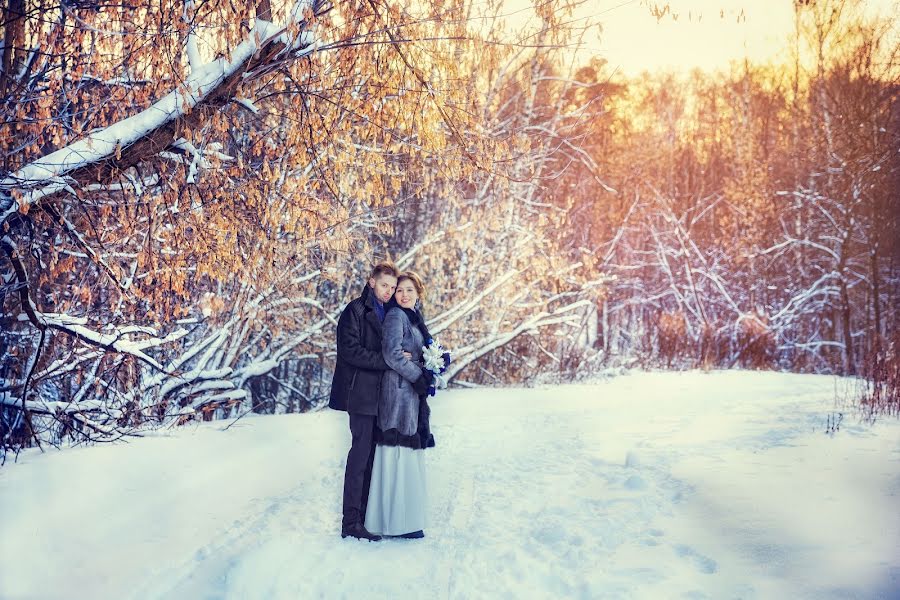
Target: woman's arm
392 347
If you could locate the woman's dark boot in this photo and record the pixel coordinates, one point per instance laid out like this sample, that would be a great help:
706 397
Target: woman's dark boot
414 535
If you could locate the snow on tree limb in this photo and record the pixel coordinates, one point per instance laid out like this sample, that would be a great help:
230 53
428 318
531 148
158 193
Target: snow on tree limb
466 356
130 140
193 53
447 318
76 326
117 341
247 104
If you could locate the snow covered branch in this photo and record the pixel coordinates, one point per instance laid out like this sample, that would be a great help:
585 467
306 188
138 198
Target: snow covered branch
447 318
125 143
118 341
565 315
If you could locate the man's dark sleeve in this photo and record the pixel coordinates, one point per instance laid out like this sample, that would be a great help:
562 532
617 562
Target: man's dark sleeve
349 344
420 386
424 430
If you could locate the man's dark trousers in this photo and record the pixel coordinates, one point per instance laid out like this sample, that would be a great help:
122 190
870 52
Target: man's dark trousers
359 468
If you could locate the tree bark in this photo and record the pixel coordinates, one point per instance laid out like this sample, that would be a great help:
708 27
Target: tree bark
13 44
876 295
264 10
846 331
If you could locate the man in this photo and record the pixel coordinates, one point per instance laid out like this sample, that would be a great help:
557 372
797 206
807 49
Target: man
356 387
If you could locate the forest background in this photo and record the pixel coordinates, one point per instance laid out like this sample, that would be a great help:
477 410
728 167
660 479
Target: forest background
191 191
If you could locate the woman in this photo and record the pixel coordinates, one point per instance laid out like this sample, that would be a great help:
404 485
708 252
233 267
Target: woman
397 493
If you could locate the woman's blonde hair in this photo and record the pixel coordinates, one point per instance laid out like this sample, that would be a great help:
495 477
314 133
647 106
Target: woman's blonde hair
416 281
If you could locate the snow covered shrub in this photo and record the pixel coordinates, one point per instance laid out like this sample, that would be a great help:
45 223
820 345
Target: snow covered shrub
673 339
715 346
755 342
882 379
14 429
580 363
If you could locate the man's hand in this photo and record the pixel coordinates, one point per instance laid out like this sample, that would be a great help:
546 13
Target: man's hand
420 385
429 377
407 355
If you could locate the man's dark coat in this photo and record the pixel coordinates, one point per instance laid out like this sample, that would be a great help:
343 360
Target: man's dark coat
360 366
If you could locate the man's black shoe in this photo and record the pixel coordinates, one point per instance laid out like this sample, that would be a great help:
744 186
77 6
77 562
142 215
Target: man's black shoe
414 535
359 532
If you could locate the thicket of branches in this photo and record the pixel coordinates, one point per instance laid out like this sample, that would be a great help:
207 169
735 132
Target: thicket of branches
752 219
192 191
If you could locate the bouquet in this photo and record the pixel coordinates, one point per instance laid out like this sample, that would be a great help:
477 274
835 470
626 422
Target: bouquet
436 360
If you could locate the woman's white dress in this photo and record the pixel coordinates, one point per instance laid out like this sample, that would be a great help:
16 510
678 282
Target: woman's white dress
397 495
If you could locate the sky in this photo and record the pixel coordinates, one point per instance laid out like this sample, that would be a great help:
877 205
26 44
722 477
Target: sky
704 34
701 37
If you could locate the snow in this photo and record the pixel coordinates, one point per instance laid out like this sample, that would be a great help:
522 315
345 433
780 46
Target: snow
659 485
248 104
193 52
257 368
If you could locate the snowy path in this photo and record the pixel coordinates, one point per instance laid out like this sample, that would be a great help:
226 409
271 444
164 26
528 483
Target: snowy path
691 485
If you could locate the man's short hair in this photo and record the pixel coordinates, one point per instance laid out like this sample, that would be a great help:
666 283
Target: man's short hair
385 267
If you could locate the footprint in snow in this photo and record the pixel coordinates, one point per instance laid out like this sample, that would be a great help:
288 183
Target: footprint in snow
635 482
704 564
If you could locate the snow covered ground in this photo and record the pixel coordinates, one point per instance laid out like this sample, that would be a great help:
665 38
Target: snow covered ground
660 485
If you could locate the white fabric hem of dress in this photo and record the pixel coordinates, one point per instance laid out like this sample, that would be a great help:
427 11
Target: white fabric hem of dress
397 495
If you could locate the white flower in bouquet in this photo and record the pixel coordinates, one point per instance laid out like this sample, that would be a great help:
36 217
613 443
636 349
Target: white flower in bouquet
436 359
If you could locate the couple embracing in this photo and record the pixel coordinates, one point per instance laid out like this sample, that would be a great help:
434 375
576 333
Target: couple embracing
381 381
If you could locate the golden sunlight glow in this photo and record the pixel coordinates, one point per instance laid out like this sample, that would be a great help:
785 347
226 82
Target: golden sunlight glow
693 34
703 34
